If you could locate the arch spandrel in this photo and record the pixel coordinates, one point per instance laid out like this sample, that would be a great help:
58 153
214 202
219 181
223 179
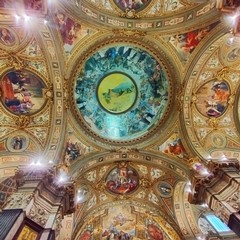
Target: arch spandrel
201 129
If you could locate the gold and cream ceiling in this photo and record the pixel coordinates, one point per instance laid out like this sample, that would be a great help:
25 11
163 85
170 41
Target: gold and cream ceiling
130 98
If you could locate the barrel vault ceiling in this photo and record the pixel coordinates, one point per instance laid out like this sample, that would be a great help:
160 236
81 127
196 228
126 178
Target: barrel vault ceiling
172 104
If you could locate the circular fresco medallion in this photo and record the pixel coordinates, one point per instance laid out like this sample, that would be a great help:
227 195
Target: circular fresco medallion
117 92
22 92
17 143
6 37
136 5
121 91
83 194
165 189
212 98
122 180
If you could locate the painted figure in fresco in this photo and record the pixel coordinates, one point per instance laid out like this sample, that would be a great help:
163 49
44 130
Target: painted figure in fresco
231 3
86 235
18 143
154 232
217 105
185 43
16 93
33 4
234 54
122 180
73 150
113 231
67 27
152 88
122 88
132 4
165 190
171 5
6 37
7 3
213 98
176 147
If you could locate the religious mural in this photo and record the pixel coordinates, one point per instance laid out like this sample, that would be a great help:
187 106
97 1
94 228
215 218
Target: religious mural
117 92
123 222
122 180
132 4
227 6
121 92
32 5
74 148
185 43
22 92
70 30
172 5
17 143
174 146
6 37
212 98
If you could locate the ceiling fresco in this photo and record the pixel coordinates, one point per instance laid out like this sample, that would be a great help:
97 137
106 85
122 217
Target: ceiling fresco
129 99
22 92
121 91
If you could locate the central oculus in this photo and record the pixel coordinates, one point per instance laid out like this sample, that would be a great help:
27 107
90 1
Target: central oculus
117 92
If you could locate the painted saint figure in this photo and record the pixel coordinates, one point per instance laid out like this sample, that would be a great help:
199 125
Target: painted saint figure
154 232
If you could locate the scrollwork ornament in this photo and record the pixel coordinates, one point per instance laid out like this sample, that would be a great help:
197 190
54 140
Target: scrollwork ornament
66 93
16 62
221 75
100 186
194 99
213 123
145 183
48 93
23 121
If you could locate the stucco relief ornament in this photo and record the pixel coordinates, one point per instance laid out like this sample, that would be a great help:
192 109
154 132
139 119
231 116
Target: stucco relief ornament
213 123
23 121
130 13
234 201
38 214
194 99
145 183
221 75
19 200
100 186
15 62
